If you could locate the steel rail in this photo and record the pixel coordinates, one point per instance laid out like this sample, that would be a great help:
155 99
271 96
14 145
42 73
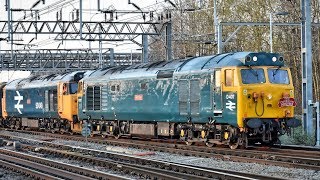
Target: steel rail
189 171
59 169
300 159
162 167
32 173
41 167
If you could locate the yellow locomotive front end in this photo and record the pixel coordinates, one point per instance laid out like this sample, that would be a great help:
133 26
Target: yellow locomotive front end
266 100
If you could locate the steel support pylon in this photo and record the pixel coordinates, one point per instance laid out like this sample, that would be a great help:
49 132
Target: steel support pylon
306 65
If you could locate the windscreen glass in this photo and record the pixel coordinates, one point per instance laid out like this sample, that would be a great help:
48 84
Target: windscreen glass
73 88
252 76
278 76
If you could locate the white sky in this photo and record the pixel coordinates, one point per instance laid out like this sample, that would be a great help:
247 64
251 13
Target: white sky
90 12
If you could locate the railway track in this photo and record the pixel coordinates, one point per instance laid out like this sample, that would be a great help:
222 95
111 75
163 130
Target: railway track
41 168
145 168
305 159
274 156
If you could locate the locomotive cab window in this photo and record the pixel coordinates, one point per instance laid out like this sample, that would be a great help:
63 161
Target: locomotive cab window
278 76
73 88
229 77
69 88
252 76
64 89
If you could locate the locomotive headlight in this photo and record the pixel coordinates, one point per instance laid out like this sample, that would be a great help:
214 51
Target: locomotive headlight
274 59
269 96
254 58
291 93
245 92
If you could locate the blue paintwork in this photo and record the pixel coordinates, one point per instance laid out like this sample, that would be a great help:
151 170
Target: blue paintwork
32 89
161 99
32 103
230 108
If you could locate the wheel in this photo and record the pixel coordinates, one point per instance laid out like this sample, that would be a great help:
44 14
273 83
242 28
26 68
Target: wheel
189 143
234 145
244 142
209 144
117 136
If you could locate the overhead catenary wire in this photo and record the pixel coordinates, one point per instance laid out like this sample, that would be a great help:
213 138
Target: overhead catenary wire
61 3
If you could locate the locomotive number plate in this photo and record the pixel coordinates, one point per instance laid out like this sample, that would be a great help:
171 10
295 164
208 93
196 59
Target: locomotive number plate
285 102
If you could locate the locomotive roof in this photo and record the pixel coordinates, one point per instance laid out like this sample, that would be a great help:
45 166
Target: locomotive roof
34 81
203 63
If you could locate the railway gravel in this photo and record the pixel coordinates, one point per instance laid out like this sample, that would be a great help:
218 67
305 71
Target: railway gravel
275 171
6 174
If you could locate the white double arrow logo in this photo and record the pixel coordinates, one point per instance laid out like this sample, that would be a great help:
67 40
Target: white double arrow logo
18 98
231 105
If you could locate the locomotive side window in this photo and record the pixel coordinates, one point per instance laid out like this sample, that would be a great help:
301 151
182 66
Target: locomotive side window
51 101
229 77
64 89
54 96
278 76
252 76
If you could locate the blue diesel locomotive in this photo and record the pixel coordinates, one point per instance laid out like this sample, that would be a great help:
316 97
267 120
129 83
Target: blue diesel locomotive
232 98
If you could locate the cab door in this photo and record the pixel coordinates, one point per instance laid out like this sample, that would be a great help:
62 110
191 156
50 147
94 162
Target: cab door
216 93
67 101
61 93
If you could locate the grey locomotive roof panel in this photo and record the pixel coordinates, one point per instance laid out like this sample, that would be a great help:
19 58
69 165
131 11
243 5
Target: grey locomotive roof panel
183 65
40 81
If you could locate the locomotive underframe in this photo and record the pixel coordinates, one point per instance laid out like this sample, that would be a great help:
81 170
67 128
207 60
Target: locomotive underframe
46 124
209 133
